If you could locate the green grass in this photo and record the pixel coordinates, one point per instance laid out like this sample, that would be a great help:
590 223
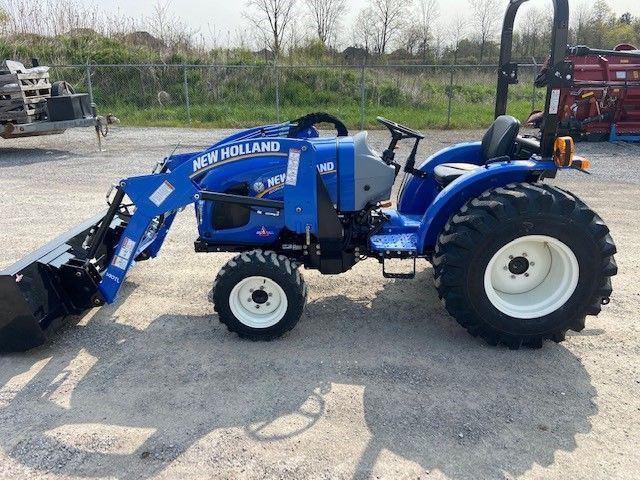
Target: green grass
246 97
216 115
243 92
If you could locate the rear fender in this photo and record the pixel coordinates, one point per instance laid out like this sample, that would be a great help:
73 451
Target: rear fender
418 192
455 195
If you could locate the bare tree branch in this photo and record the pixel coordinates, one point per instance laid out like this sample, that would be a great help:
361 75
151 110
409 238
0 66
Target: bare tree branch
486 14
326 16
418 31
383 21
272 19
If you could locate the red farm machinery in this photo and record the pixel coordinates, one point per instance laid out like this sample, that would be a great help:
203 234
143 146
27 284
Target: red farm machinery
602 99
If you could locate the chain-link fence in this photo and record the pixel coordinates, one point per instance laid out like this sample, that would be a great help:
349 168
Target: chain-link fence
436 96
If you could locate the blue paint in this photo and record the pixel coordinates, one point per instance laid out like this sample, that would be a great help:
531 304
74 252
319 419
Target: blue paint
187 174
418 193
346 172
471 185
261 160
614 136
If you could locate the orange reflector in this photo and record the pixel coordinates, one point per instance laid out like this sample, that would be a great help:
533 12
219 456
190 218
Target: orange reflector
386 204
581 163
563 150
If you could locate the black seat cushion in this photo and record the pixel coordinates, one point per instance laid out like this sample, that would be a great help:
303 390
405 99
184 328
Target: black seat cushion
500 139
499 142
448 172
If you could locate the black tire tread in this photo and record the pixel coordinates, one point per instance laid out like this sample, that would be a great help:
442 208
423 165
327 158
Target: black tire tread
476 218
285 265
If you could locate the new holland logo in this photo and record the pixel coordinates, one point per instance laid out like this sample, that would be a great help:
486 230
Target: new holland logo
236 151
258 187
277 181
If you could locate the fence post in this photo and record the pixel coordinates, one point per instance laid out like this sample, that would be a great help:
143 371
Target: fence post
450 97
87 73
363 94
276 72
533 91
186 93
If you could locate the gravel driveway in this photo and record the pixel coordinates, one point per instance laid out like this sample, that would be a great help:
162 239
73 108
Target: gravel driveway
376 381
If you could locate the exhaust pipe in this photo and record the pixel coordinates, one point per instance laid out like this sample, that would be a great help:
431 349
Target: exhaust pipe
58 280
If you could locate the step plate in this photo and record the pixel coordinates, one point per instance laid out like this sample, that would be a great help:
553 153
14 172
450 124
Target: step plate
399 242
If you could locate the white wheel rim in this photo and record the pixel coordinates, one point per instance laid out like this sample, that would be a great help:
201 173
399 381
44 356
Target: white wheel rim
536 286
258 302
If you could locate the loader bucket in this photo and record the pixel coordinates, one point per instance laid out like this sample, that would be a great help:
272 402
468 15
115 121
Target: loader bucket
37 292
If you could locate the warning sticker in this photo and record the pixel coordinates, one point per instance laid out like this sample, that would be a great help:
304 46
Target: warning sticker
162 192
555 102
621 75
119 262
292 167
127 248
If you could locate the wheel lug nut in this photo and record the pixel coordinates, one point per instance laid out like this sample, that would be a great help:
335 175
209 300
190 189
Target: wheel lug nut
510 257
249 299
271 294
268 304
251 290
524 254
261 288
513 277
257 306
505 268
532 263
526 274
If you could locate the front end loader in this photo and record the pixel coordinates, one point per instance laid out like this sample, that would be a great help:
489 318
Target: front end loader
516 260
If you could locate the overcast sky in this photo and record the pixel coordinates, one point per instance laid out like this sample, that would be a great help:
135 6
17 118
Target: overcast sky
225 17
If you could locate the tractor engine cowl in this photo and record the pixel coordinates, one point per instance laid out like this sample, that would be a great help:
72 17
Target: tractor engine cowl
353 174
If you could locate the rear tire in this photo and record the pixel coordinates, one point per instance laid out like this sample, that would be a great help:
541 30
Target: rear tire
502 295
259 295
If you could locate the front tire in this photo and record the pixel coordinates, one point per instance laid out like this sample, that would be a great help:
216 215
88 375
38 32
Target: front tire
259 295
524 263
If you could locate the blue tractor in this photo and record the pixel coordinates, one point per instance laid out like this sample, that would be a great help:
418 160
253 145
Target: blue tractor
516 260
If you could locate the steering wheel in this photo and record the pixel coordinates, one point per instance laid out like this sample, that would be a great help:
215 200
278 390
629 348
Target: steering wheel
396 128
310 120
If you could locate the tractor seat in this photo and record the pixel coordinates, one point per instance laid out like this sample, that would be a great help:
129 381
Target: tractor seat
497 143
448 172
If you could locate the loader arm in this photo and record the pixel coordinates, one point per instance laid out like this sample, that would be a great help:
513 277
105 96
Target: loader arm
87 266
158 197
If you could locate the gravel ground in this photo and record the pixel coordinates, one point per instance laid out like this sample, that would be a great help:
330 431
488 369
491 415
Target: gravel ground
375 382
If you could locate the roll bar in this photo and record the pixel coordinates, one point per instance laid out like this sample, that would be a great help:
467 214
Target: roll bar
560 71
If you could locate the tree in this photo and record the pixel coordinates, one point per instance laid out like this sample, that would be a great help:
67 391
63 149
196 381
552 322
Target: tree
172 32
428 13
485 18
600 20
364 32
387 19
531 36
410 41
626 18
159 21
326 16
272 19
617 34
4 19
581 21
457 32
